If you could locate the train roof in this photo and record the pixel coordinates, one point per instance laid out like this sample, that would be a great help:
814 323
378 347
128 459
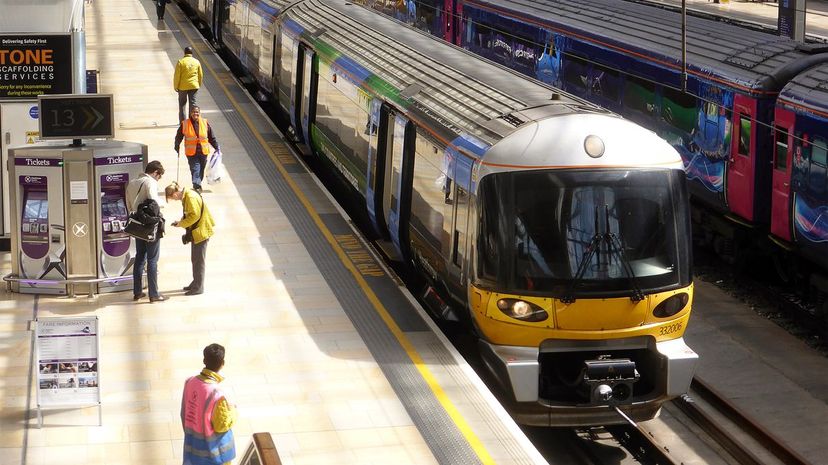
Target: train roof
469 96
808 91
748 59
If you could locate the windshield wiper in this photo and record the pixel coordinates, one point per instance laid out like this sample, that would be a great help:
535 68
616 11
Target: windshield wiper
614 247
594 245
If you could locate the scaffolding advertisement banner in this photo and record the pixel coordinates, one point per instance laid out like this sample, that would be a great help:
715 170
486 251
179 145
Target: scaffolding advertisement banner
35 64
67 361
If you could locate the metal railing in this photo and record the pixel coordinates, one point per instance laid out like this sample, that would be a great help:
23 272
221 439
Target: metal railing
70 283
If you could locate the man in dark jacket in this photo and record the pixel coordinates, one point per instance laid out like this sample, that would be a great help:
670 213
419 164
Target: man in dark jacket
144 187
160 6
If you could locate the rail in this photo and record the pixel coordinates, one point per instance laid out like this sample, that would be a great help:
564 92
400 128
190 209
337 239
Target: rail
261 451
70 283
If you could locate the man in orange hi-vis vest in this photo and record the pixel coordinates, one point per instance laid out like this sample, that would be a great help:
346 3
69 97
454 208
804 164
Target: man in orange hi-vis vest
206 414
197 135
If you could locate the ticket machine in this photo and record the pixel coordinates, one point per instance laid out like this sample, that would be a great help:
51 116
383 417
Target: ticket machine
69 211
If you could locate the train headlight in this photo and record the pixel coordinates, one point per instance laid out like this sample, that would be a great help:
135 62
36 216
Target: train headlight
522 310
671 305
594 146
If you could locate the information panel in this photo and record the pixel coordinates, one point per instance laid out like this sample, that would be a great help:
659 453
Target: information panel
35 64
67 361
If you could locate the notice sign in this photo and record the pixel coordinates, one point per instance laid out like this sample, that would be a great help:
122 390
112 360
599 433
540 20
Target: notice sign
67 361
78 192
35 64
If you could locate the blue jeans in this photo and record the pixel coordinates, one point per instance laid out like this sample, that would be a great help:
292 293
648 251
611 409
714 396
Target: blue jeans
146 252
197 165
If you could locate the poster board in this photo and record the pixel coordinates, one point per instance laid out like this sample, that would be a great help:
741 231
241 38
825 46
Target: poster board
67 367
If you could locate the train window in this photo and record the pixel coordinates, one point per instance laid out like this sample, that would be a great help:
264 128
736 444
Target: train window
254 36
526 54
576 72
266 56
781 161
492 227
745 125
605 82
428 16
817 171
818 152
339 119
460 221
554 234
678 109
501 46
429 197
397 148
287 69
639 95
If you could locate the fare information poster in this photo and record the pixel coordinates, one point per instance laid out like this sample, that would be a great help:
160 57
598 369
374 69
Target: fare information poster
67 361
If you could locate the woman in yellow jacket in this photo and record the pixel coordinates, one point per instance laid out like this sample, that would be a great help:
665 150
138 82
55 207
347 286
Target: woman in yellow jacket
199 225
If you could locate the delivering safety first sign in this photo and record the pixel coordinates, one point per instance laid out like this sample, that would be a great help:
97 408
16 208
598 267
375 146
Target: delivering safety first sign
31 65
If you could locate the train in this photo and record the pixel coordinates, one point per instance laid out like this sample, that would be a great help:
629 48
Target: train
749 121
555 230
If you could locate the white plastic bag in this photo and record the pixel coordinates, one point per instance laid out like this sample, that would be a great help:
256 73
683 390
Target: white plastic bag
215 168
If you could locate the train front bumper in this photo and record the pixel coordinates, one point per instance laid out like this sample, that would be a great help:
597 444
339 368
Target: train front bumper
666 370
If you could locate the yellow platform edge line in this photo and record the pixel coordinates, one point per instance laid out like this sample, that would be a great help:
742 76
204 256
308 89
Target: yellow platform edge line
439 393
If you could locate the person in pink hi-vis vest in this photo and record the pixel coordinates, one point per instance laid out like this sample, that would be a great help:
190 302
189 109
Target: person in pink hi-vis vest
206 414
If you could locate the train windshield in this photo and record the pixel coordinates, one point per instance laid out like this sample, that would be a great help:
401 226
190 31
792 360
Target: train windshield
572 233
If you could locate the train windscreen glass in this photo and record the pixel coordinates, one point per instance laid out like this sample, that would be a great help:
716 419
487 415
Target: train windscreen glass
587 231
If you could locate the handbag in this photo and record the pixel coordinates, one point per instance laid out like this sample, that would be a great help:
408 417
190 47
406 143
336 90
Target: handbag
215 168
188 234
139 228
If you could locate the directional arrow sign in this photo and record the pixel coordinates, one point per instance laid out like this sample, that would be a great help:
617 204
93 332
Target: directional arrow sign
76 116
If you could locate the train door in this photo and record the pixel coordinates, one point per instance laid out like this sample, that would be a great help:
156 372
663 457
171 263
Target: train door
740 170
296 90
218 15
781 183
457 214
308 77
398 189
378 172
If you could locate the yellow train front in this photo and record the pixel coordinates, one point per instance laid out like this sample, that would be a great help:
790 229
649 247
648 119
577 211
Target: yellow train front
558 230
580 283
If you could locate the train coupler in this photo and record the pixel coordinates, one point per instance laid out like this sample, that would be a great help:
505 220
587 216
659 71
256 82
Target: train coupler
609 381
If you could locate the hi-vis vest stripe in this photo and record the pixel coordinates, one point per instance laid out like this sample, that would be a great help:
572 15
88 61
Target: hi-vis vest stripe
202 444
191 139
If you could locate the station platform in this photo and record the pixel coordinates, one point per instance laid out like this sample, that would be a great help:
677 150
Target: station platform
325 350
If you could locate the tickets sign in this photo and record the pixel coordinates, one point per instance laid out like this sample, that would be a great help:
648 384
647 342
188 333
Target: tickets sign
32 65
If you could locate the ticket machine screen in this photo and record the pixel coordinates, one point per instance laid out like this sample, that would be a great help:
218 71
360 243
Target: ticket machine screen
114 214
113 211
34 221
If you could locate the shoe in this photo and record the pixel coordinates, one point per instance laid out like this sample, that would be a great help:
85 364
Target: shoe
158 298
188 287
139 296
197 189
193 292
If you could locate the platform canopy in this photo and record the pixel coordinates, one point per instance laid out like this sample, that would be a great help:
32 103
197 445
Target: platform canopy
39 16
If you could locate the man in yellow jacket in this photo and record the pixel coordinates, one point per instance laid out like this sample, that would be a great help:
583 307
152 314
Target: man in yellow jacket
187 81
199 225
